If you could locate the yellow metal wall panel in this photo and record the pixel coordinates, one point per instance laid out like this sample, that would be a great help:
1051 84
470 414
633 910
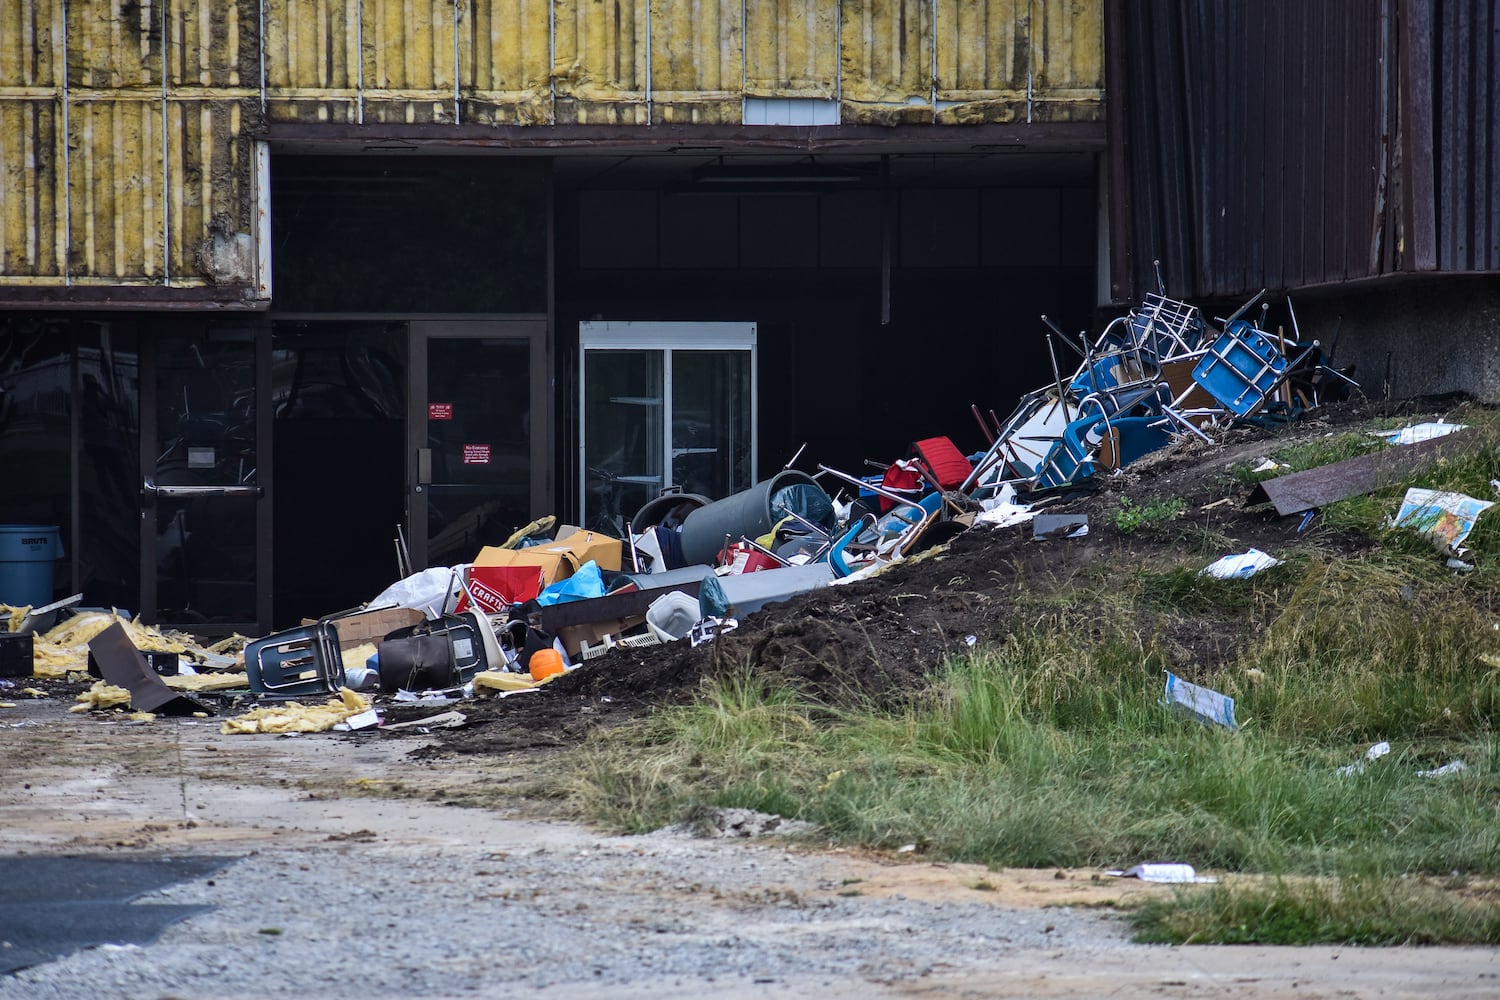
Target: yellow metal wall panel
1068 51
983 47
203 44
792 48
312 60
697 61
28 33
29 206
115 189
600 66
887 61
507 63
114 46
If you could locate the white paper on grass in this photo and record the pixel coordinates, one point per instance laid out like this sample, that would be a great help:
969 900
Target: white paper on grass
1373 754
1452 767
1159 872
1203 703
1237 567
1423 432
1444 516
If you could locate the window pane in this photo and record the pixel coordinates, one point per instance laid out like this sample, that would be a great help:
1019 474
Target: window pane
622 435
711 422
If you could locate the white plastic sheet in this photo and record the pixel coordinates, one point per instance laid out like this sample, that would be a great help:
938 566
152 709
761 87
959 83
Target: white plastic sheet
1423 432
1237 567
1202 703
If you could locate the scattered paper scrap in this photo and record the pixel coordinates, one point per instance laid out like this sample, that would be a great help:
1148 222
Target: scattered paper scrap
1173 873
1373 754
1445 517
1238 567
1202 703
1452 767
445 720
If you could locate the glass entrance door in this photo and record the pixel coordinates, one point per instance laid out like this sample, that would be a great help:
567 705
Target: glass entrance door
479 431
203 510
665 406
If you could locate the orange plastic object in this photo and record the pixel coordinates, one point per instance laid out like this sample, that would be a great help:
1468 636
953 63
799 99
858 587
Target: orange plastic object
545 663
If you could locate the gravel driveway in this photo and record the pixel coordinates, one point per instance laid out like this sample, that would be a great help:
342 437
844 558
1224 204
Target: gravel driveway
355 878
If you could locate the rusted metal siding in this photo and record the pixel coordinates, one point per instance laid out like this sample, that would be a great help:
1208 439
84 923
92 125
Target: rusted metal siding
1465 132
1255 142
1299 144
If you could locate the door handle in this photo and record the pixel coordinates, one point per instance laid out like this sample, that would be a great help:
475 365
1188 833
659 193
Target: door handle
424 466
151 489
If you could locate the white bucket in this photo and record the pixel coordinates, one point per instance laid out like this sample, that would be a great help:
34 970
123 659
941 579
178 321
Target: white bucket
672 616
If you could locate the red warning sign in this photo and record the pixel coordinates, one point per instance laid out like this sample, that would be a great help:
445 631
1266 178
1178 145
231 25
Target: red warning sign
439 411
476 454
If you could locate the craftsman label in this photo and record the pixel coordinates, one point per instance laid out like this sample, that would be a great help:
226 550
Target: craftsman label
439 411
476 454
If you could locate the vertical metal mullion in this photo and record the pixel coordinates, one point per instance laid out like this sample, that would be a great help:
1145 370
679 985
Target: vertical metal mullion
458 115
359 62
261 45
416 418
666 417
583 385
75 443
754 403
265 541
67 178
166 170
147 469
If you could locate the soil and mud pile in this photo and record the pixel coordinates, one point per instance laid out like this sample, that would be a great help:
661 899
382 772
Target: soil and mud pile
879 639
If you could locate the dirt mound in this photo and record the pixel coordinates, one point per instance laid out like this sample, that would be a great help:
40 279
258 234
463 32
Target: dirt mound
878 640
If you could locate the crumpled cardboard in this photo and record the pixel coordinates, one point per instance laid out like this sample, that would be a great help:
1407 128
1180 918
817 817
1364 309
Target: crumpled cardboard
501 577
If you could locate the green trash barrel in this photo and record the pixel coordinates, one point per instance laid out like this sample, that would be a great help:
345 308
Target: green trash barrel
28 555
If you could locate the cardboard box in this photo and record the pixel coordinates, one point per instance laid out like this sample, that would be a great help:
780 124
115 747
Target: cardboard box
371 626
574 636
502 577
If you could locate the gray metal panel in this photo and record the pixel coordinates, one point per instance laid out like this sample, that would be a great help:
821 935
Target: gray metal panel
1299 491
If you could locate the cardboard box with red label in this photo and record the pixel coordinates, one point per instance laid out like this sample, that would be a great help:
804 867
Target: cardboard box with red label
500 577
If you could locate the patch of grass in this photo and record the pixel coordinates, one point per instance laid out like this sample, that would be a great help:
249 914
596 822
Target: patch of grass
1051 748
1132 517
1355 910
